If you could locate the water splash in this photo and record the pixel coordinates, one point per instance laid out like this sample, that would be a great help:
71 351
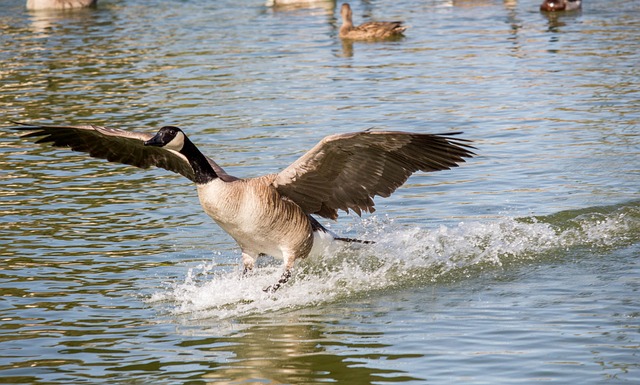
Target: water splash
402 257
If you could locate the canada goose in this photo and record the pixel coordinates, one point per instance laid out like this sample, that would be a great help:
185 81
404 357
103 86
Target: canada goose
560 5
271 214
368 31
59 4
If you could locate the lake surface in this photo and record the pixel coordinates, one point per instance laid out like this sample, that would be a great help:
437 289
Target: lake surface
522 266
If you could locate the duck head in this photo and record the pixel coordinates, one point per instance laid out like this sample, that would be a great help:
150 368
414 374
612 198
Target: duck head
169 137
560 5
346 13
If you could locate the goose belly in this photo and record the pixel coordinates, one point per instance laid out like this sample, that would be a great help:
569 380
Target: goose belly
257 219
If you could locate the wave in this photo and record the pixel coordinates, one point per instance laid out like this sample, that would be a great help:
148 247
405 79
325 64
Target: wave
402 257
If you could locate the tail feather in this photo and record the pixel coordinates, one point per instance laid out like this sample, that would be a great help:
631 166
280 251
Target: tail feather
316 226
354 240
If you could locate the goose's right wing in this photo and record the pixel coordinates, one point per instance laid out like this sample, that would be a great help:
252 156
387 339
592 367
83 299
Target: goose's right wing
112 144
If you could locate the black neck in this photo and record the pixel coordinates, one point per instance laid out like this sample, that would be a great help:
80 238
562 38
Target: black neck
203 171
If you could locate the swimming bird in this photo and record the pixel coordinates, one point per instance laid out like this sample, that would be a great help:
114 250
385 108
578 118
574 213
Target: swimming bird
272 214
373 30
59 4
560 5
273 3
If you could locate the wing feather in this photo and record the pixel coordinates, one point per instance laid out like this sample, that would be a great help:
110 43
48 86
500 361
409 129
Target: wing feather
346 171
112 144
381 27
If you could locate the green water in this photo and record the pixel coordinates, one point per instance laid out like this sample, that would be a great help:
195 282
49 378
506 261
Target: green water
521 266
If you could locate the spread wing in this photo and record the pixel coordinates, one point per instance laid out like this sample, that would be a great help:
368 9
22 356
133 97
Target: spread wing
345 171
114 145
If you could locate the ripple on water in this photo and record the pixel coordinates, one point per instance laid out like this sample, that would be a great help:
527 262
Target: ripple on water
402 257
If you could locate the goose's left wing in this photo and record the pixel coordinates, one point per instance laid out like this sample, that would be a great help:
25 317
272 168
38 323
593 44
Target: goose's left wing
345 171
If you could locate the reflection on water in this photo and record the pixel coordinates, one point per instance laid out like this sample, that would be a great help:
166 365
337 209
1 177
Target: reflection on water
298 352
519 266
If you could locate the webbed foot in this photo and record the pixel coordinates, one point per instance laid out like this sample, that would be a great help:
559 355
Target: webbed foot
285 277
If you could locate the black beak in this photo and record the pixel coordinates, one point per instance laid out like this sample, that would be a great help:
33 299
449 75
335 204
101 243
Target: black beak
155 141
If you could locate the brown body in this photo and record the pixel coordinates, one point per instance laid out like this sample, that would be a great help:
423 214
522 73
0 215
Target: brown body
373 30
258 218
560 5
59 4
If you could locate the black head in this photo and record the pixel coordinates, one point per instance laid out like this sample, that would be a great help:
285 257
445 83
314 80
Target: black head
169 137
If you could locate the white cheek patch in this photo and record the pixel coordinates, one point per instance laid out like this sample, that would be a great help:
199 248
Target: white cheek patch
176 143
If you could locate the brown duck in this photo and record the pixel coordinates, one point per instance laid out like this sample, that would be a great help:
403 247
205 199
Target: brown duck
59 4
373 30
560 5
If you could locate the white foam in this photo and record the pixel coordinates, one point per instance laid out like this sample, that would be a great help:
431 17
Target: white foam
402 256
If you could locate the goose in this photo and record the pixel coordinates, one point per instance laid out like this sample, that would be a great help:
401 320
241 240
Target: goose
272 214
560 5
59 4
373 30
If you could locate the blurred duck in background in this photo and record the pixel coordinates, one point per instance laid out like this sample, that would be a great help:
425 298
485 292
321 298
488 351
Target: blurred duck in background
372 30
59 4
273 3
560 5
